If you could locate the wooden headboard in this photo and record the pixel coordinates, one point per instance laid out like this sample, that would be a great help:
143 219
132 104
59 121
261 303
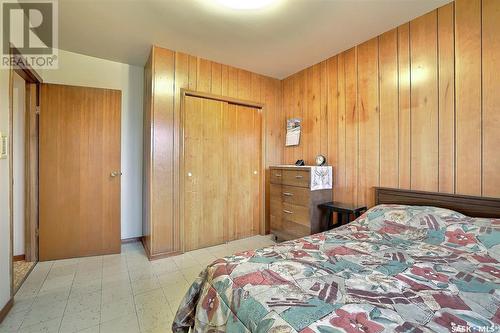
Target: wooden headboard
467 205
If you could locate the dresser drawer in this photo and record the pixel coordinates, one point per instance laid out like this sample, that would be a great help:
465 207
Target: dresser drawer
295 178
292 194
290 230
275 213
295 195
297 214
276 176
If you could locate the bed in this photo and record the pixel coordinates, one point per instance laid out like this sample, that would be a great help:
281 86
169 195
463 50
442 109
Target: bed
413 263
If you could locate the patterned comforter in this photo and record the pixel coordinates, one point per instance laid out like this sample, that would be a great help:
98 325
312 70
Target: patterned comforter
395 269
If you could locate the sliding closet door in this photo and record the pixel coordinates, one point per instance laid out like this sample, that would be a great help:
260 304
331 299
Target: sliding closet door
222 172
244 177
205 181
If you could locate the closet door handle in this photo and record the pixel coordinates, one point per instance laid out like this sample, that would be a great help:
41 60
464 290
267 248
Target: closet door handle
288 194
299 176
277 175
287 211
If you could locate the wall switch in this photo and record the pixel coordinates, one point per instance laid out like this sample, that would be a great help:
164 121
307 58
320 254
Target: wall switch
4 146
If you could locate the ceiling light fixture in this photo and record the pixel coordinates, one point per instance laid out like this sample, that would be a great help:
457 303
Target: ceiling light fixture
246 4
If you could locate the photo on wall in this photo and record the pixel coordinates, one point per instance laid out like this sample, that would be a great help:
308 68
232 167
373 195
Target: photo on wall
292 132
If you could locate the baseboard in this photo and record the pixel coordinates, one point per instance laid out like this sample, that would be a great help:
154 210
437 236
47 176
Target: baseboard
131 240
5 310
153 257
20 257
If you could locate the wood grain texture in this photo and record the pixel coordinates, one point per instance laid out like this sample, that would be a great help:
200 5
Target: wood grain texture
181 77
162 231
274 128
205 186
31 174
5 309
369 121
222 172
446 62
166 73
389 109
351 125
468 205
340 186
438 94
79 148
491 98
294 207
204 75
424 103
404 106
332 115
468 96
147 145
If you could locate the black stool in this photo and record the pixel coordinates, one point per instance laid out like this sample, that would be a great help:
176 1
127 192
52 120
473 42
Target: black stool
344 212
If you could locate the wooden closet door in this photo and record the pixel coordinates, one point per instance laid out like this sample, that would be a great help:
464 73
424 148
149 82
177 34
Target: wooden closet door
79 150
244 197
205 179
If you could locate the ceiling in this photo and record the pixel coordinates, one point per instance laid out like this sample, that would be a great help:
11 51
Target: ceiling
277 41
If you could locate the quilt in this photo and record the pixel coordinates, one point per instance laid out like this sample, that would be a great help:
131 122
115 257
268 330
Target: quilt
395 269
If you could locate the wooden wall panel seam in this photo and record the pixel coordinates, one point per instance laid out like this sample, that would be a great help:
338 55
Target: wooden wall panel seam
432 110
174 70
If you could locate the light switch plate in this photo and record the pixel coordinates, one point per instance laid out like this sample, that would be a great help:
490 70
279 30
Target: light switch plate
4 146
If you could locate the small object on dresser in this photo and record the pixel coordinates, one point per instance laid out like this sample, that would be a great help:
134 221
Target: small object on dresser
320 160
344 213
300 163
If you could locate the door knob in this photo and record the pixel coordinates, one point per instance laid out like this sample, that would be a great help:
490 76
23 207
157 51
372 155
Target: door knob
115 173
190 174
255 172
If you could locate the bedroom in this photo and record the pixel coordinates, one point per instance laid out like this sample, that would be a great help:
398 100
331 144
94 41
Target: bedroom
177 154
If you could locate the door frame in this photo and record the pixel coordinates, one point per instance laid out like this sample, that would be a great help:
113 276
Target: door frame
32 84
180 172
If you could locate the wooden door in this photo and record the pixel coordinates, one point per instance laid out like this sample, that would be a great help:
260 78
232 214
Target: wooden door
204 177
79 171
222 172
244 186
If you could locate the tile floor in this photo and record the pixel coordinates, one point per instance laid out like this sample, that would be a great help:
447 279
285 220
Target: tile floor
116 293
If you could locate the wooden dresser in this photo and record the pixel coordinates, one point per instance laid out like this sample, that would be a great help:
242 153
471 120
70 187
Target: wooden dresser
294 211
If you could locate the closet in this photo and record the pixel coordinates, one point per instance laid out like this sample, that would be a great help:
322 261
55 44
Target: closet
221 171
235 118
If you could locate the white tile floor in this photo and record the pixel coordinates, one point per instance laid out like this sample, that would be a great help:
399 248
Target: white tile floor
116 293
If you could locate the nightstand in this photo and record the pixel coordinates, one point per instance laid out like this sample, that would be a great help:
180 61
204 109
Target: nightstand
344 213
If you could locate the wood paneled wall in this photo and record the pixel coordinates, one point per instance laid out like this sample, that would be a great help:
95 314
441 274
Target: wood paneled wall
417 107
166 73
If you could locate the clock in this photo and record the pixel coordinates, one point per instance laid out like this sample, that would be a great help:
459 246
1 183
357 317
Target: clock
320 160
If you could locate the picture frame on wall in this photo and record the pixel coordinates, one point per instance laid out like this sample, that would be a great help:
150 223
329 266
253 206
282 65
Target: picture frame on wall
293 127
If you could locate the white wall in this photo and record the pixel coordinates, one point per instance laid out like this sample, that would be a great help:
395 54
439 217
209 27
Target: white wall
76 69
81 70
4 195
18 142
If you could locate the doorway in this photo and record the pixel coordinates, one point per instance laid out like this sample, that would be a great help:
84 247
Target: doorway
22 262
23 170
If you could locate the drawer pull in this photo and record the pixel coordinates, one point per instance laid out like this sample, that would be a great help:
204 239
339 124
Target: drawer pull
288 194
299 176
287 211
277 175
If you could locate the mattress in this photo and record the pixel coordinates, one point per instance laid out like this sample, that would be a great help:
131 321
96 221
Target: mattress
395 269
